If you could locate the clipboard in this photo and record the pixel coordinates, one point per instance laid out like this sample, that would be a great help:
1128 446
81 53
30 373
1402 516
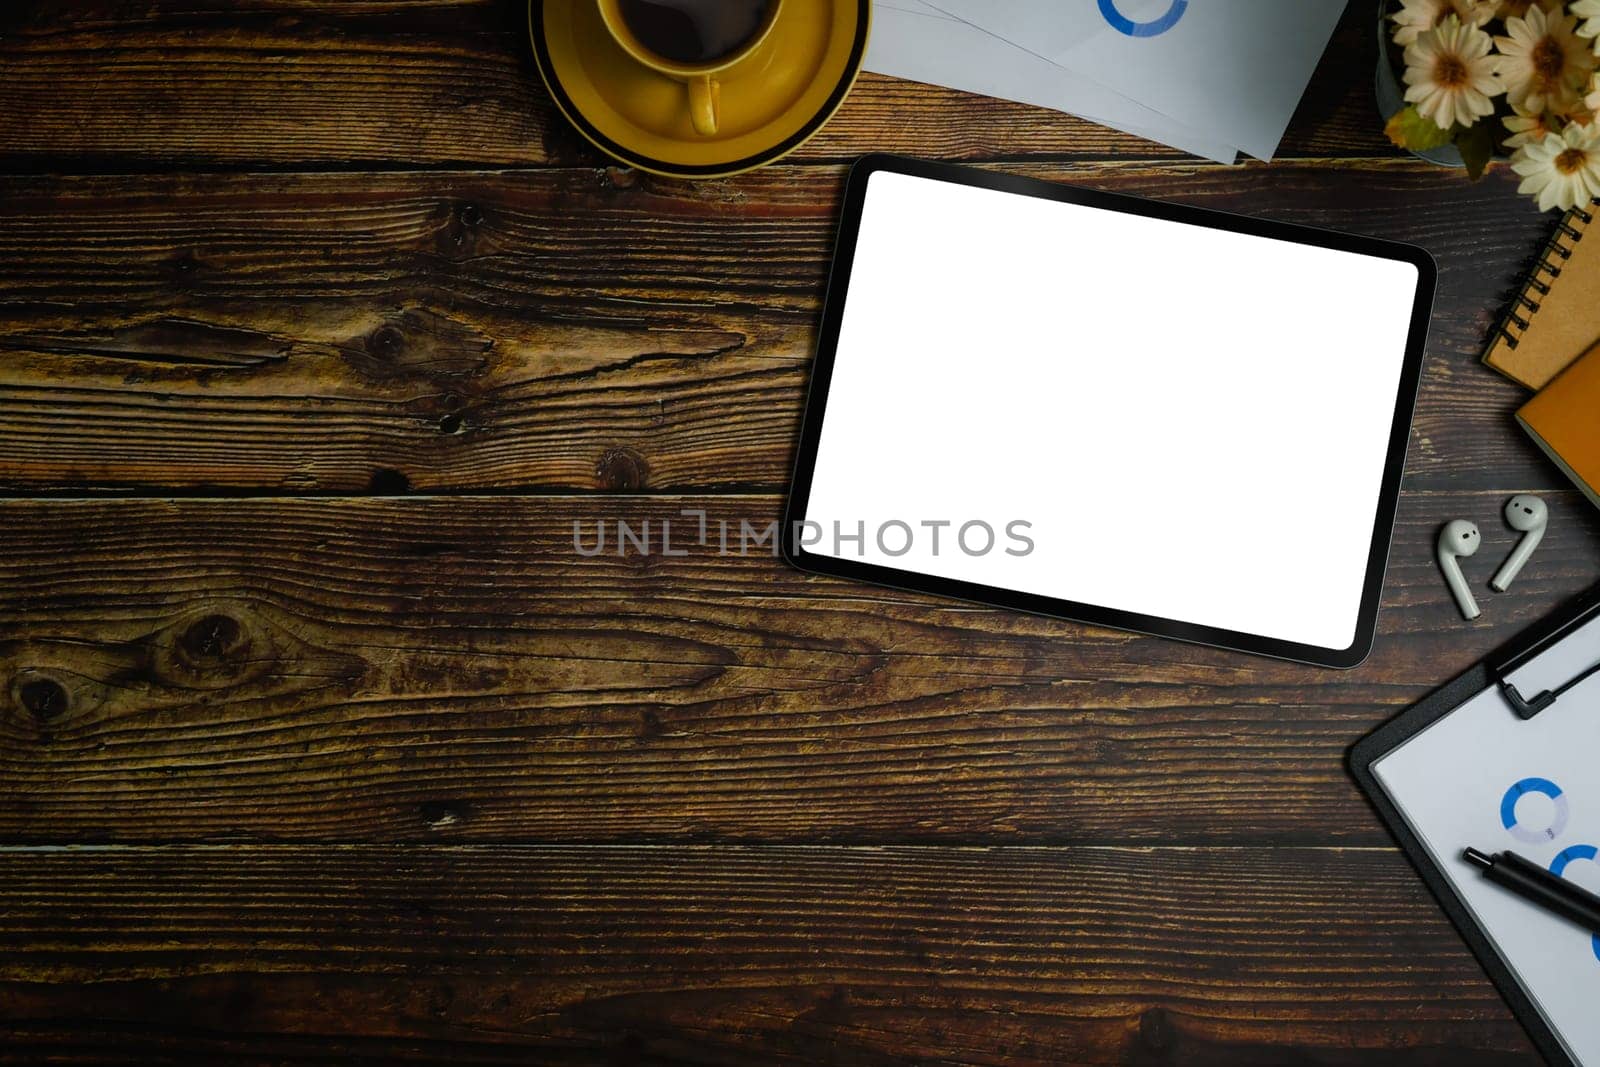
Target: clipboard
1500 686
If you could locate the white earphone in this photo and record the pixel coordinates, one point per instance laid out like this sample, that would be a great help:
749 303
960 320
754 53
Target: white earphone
1458 538
1528 515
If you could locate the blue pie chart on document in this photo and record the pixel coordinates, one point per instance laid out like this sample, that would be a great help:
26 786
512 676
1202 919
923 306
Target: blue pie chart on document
1534 810
1580 853
1149 27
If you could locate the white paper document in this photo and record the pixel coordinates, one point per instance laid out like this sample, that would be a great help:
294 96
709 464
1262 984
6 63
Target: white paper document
911 40
1233 71
1484 778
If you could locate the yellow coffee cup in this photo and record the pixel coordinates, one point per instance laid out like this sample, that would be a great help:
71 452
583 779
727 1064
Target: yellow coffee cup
703 80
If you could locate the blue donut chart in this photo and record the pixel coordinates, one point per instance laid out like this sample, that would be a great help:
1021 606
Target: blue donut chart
1559 865
1152 28
1533 835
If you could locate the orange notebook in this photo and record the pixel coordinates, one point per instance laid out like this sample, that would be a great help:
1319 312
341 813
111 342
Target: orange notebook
1564 419
1555 317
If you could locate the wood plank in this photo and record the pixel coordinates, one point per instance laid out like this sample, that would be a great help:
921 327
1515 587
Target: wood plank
104 85
453 669
464 331
724 955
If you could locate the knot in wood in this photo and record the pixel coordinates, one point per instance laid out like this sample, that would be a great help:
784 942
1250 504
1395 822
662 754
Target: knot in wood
386 481
622 468
183 270
386 342
211 638
470 215
1155 1029
443 814
45 698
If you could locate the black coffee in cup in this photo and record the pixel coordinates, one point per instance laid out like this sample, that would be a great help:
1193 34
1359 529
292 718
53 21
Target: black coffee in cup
694 31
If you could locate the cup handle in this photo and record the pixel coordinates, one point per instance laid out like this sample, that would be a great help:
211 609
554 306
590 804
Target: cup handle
705 94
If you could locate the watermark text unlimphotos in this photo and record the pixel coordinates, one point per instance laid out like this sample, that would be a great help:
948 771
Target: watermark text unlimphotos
728 537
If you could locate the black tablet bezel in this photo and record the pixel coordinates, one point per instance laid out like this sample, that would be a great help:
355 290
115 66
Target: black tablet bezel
822 371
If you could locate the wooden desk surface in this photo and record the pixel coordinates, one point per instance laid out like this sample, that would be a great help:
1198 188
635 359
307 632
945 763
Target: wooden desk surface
318 330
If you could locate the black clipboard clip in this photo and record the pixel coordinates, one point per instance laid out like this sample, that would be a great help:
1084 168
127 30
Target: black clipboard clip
1538 641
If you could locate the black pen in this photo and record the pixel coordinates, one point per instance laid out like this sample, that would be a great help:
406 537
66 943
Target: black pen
1532 882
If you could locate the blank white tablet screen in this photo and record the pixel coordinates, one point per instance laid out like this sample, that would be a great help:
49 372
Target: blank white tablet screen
1184 422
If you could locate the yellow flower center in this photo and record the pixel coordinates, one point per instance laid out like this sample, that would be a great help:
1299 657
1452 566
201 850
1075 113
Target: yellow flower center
1571 161
1549 60
1449 72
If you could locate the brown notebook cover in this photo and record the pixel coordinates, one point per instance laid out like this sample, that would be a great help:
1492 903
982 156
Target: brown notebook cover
1555 317
1565 421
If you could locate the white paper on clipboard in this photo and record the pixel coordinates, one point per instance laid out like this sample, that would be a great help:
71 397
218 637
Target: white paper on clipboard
1483 777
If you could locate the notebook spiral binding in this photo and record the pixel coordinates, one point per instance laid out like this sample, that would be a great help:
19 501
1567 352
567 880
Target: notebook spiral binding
1554 250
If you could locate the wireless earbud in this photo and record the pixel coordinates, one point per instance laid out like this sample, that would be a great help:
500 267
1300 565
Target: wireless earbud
1529 515
1458 538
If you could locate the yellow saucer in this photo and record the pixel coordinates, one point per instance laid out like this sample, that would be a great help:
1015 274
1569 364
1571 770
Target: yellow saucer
800 77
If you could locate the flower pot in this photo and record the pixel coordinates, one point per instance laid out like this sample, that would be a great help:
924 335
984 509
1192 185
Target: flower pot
1391 94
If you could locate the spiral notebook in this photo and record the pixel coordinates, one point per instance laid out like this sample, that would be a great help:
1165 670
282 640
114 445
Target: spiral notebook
1555 317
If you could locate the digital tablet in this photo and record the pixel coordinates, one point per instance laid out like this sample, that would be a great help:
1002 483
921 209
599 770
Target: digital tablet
1112 410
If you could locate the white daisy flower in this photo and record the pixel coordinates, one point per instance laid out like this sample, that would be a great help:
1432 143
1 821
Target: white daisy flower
1542 63
1524 129
1419 16
1562 170
1589 11
1450 74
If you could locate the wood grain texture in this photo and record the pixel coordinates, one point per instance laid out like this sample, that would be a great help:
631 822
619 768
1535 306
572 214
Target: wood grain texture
395 777
738 955
564 329
454 669
103 86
